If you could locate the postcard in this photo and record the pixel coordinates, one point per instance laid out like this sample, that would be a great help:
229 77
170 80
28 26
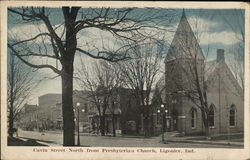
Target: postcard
124 80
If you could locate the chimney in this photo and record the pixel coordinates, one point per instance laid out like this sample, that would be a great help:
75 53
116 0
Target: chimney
220 55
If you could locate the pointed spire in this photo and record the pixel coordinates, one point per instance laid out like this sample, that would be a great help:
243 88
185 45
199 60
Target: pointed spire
183 17
183 13
184 44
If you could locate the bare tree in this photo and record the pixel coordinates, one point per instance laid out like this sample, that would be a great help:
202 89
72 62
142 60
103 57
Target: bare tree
102 80
61 46
20 84
140 74
237 58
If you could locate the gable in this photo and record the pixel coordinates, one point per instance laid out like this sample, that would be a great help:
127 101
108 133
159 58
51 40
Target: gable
222 75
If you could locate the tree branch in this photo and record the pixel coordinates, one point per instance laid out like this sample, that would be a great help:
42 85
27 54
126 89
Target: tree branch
112 57
33 65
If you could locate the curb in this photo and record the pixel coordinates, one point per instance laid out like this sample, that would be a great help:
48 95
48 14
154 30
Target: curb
205 142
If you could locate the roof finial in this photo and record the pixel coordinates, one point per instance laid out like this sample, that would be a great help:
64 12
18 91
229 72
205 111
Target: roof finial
183 12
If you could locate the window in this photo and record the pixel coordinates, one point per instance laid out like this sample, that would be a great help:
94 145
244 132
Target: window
211 116
193 118
232 116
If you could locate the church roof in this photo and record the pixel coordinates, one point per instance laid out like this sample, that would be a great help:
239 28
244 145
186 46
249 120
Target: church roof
184 44
210 67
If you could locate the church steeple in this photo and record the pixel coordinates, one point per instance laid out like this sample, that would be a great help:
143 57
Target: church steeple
183 13
184 44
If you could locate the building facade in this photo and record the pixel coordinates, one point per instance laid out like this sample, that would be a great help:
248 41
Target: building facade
47 115
184 62
123 115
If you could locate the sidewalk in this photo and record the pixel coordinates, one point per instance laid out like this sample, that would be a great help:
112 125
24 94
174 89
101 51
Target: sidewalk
172 137
46 138
18 141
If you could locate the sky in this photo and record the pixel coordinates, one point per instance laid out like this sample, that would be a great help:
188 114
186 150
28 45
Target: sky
214 29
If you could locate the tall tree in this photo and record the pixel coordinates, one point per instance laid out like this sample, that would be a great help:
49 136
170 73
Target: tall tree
20 81
102 81
140 74
124 23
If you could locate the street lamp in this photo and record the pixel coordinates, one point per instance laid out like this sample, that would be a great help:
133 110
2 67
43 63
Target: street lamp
163 112
78 128
164 121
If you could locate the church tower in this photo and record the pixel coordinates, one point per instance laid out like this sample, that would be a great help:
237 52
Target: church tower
183 55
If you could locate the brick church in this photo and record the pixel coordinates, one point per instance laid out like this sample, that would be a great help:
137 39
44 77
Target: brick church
177 90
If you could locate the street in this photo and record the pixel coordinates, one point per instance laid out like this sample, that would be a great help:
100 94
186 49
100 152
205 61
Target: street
55 139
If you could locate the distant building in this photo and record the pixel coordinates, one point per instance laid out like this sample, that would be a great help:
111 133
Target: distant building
127 112
27 108
53 113
122 114
49 100
48 114
56 116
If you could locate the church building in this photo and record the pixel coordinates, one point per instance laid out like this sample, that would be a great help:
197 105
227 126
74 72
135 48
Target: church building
179 90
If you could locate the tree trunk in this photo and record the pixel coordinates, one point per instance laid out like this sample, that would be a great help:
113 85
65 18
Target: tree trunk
146 122
152 129
11 117
67 105
113 123
207 130
67 61
11 103
102 124
11 121
146 126
206 123
207 134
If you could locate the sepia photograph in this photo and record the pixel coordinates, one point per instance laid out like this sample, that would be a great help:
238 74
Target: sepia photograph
125 79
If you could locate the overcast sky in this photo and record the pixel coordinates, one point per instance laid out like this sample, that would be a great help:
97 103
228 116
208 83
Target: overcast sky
215 28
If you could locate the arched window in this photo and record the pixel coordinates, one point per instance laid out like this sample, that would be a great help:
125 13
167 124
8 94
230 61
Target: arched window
232 116
193 118
211 115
